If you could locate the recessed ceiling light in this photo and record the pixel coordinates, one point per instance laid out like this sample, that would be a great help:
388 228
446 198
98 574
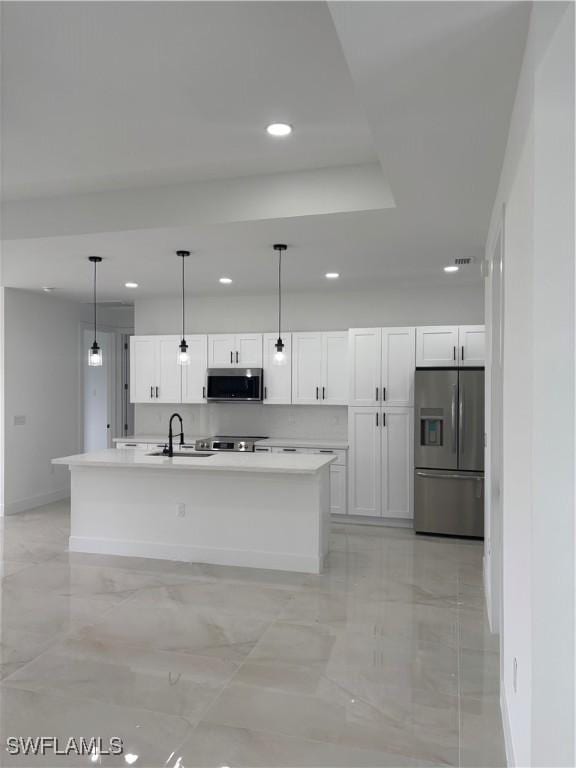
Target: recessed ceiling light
225 280
451 268
131 285
279 129
332 275
48 288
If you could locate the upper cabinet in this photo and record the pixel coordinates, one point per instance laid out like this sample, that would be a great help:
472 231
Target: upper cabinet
156 376
243 350
450 346
382 362
277 378
320 368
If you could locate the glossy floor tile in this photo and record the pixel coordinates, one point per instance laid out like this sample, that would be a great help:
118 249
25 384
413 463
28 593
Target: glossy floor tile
385 659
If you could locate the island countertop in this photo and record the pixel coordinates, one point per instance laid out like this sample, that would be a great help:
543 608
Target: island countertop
297 463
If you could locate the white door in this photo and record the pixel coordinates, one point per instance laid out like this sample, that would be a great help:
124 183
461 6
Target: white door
221 350
248 350
437 345
364 462
168 386
337 489
472 342
142 369
335 368
398 364
194 374
306 368
277 378
364 345
397 462
100 390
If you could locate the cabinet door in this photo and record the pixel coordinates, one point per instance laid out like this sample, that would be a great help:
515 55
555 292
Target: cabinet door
364 352
306 368
248 350
364 461
142 369
335 368
437 345
221 350
397 462
337 490
398 364
472 340
277 378
168 371
194 374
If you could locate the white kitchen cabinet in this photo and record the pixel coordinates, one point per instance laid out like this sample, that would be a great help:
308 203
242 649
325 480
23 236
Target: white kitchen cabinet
277 378
243 350
194 374
472 345
397 462
382 362
306 368
320 368
380 461
155 376
338 504
437 345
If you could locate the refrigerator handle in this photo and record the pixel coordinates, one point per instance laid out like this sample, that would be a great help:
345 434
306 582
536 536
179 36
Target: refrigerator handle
453 415
461 424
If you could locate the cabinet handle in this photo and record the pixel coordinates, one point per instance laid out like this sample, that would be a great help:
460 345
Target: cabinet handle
462 353
151 392
376 418
204 392
316 393
454 353
265 393
325 451
289 450
383 419
231 357
383 393
236 358
376 394
157 392
323 393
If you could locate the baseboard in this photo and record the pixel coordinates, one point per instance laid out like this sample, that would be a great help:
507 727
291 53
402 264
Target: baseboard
23 505
510 761
278 561
387 522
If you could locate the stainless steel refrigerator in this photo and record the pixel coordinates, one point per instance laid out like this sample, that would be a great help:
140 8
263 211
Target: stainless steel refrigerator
449 451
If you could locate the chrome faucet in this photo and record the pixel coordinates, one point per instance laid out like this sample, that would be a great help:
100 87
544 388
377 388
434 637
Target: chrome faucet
169 451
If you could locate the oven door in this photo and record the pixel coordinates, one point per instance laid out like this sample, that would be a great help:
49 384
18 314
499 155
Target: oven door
235 384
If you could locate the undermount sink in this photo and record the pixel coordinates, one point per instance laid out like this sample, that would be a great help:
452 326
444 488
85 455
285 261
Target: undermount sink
182 454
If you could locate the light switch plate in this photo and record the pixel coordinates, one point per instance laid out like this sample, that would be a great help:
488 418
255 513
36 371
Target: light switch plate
19 421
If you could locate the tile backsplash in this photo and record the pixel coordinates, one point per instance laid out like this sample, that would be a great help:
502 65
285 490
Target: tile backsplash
305 421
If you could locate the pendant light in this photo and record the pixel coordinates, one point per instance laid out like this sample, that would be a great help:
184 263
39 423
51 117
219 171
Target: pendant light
183 354
95 352
280 355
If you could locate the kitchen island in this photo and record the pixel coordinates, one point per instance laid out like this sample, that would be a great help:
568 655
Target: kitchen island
246 509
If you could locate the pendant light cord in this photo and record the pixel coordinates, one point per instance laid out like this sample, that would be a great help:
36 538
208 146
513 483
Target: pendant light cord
183 309
279 291
95 302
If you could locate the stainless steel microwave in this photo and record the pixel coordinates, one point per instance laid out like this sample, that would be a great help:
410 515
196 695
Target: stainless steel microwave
235 384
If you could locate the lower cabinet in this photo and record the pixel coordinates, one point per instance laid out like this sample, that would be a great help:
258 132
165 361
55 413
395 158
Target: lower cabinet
380 462
338 504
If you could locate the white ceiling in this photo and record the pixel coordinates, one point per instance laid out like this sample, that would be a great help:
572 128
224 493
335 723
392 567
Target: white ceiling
182 92
122 94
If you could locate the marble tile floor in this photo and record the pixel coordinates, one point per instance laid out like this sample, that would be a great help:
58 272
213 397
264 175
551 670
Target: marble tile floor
383 660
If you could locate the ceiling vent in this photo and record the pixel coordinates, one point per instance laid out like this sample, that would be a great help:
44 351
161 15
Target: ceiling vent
462 262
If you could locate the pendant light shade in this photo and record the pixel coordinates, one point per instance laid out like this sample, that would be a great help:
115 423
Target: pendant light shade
183 354
280 355
95 352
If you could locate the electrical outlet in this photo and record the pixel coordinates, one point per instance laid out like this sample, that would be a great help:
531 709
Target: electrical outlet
515 675
19 421
181 510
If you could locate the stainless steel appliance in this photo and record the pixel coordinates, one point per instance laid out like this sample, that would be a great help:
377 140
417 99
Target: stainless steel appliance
228 443
234 384
449 451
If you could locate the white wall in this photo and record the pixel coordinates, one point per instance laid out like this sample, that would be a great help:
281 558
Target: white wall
398 304
538 548
41 365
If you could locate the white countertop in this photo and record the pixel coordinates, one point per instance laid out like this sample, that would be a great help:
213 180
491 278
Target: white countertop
126 458
274 442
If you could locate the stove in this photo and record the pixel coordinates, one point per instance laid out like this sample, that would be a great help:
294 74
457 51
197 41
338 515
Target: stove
241 443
